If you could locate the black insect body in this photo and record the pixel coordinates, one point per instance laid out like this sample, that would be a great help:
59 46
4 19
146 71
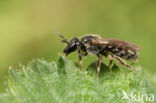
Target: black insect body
110 48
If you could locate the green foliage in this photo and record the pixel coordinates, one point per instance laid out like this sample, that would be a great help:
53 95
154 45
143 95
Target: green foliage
62 82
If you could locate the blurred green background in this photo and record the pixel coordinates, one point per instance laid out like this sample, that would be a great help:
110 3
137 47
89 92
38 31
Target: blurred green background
27 28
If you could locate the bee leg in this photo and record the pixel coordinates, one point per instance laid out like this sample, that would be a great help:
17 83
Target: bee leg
111 60
80 59
124 63
98 65
110 63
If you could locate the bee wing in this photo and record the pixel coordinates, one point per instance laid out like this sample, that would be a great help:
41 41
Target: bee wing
116 43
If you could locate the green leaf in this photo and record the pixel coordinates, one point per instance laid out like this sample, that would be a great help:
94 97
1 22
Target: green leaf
63 82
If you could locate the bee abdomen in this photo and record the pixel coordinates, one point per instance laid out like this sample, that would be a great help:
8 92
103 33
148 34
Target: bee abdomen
123 53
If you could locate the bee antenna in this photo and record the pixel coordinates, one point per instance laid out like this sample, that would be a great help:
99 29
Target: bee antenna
64 40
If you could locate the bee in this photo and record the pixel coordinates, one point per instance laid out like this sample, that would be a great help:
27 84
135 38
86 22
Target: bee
109 48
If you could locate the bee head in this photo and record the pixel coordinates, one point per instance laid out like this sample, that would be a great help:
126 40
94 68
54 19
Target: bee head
71 46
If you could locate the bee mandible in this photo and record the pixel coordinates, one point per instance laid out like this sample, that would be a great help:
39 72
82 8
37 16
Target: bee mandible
109 48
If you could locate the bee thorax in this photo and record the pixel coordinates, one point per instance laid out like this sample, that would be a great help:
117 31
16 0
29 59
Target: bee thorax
92 49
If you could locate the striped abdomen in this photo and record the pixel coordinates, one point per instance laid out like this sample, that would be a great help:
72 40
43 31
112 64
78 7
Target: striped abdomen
126 53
